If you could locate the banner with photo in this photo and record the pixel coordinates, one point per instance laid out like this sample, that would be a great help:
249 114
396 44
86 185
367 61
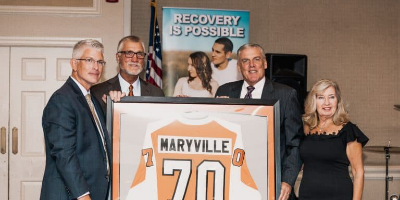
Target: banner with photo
189 30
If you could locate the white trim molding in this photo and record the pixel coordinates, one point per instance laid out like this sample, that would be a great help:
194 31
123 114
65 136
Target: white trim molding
95 9
41 41
379 172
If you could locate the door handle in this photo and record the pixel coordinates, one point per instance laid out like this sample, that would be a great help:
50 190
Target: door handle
3 140
15 140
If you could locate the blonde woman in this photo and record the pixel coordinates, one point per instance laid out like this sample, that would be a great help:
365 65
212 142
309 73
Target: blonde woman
330 145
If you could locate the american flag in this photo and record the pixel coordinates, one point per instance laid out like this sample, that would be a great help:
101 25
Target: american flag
154 67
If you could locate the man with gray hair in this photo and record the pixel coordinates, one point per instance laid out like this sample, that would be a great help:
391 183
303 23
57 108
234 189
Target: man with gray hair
130 58
252 64
76 138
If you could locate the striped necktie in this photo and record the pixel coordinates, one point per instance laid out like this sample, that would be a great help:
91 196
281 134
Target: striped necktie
130 90
249 90
96 119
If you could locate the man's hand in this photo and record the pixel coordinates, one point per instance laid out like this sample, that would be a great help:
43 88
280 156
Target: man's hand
114 95
181 95
286 189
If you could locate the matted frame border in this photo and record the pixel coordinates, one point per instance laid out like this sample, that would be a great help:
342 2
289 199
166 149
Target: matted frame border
114 131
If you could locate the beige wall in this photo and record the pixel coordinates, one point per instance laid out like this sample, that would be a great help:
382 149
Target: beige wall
108 26
355 43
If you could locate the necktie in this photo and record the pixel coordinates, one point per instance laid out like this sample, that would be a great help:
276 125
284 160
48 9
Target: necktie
96 119
130 90
249 90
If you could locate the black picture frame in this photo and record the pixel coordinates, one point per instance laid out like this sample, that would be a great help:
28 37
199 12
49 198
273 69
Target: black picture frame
127 106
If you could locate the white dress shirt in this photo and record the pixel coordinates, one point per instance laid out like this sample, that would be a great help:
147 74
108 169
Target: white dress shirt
257 92
125 86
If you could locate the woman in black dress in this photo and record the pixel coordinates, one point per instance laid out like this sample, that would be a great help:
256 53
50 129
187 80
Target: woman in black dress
331 143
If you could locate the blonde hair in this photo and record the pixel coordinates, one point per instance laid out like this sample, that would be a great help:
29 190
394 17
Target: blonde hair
310 116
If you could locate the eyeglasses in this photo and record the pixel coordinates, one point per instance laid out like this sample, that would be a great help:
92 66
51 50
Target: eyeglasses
256 60
130 54
91 61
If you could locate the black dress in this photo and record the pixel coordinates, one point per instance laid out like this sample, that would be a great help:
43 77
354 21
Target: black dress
326 174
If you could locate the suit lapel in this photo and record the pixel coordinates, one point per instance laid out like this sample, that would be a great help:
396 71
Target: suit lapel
99 113
85 104
144 89
114 84
268 88
236 89
103 123
80 97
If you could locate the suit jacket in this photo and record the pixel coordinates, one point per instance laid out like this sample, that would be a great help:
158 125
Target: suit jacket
290 122
98 90
75 157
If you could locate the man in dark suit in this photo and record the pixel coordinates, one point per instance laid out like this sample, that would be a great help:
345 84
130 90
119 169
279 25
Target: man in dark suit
252 64
77 142
130 59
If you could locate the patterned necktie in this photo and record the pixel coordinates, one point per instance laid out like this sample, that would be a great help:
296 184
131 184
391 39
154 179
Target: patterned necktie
96 119
249 90
130 90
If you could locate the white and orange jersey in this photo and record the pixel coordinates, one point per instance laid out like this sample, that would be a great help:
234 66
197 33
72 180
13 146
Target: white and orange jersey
189 159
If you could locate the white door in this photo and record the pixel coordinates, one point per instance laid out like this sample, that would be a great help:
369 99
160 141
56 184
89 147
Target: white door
35 73
4 119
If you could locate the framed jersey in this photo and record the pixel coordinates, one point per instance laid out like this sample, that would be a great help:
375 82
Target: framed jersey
166 148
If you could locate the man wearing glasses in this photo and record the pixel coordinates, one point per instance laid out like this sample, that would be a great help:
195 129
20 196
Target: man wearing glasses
76 138
252 64
130 59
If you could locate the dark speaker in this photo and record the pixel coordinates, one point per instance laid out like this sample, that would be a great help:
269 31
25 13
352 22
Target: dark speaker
291 70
